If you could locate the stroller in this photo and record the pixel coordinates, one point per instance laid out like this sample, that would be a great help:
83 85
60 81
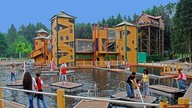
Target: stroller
188 66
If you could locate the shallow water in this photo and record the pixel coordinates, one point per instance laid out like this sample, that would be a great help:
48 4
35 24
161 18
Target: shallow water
107 83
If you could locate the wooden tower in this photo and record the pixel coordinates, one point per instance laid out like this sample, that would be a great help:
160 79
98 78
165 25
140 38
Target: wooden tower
151 34
127 35
62 32
116 44
42 47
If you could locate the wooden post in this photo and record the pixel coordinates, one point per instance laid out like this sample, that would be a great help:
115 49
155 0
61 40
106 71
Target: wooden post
162 104
160 63
60 98
183 101
152 63
144 63
1 104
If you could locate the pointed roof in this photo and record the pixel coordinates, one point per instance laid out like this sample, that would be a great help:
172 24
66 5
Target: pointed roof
41 31
124 23
62 14
150 16
43 37
154 17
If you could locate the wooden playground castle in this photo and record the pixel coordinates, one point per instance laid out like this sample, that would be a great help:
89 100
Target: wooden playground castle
117 45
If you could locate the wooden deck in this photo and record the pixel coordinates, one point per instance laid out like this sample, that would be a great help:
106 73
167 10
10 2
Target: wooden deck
15 83
91 104
188 93
68 86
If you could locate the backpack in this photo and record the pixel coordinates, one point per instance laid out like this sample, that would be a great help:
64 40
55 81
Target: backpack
184 76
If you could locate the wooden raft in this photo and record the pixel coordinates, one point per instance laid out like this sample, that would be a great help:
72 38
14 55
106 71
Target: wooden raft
167 89
66 85
91 104
15 83
123 96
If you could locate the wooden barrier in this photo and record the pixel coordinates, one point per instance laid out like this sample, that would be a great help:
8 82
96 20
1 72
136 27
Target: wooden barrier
182 103
61 98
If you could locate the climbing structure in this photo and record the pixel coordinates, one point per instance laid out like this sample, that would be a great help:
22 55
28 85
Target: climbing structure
62 29
42 47
150 34
115 44
84 51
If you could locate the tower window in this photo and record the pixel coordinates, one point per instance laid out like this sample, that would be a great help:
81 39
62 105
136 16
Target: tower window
71 30
71 57
121 48
67 37
132 41
61 38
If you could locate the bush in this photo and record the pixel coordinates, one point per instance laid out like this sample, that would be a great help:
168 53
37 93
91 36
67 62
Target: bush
151 58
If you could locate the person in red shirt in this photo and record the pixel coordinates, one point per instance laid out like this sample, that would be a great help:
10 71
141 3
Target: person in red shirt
63 71
40 86
181 81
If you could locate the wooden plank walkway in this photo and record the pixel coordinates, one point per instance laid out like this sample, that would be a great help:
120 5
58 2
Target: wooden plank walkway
68 72
188 93
171 92
112 70
123 96
167 89
91 104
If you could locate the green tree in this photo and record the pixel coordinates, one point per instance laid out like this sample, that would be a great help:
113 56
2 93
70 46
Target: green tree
3 44
12 34
103 21
183 25
20 44
135 16
119 19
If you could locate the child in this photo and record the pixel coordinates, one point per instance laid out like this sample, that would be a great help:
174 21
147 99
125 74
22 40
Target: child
136 91
13 72
52 65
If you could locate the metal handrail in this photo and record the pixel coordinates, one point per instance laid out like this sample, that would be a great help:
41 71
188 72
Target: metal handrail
88 98
110 100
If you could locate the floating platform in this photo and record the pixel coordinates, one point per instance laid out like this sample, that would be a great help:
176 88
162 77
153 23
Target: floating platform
166 90
15 83
91 104
68 86
123 96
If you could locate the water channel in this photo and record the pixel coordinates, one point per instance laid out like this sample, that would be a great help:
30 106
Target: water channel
107 83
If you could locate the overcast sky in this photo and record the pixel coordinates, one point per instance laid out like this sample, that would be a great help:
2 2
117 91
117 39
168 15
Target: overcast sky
20 12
